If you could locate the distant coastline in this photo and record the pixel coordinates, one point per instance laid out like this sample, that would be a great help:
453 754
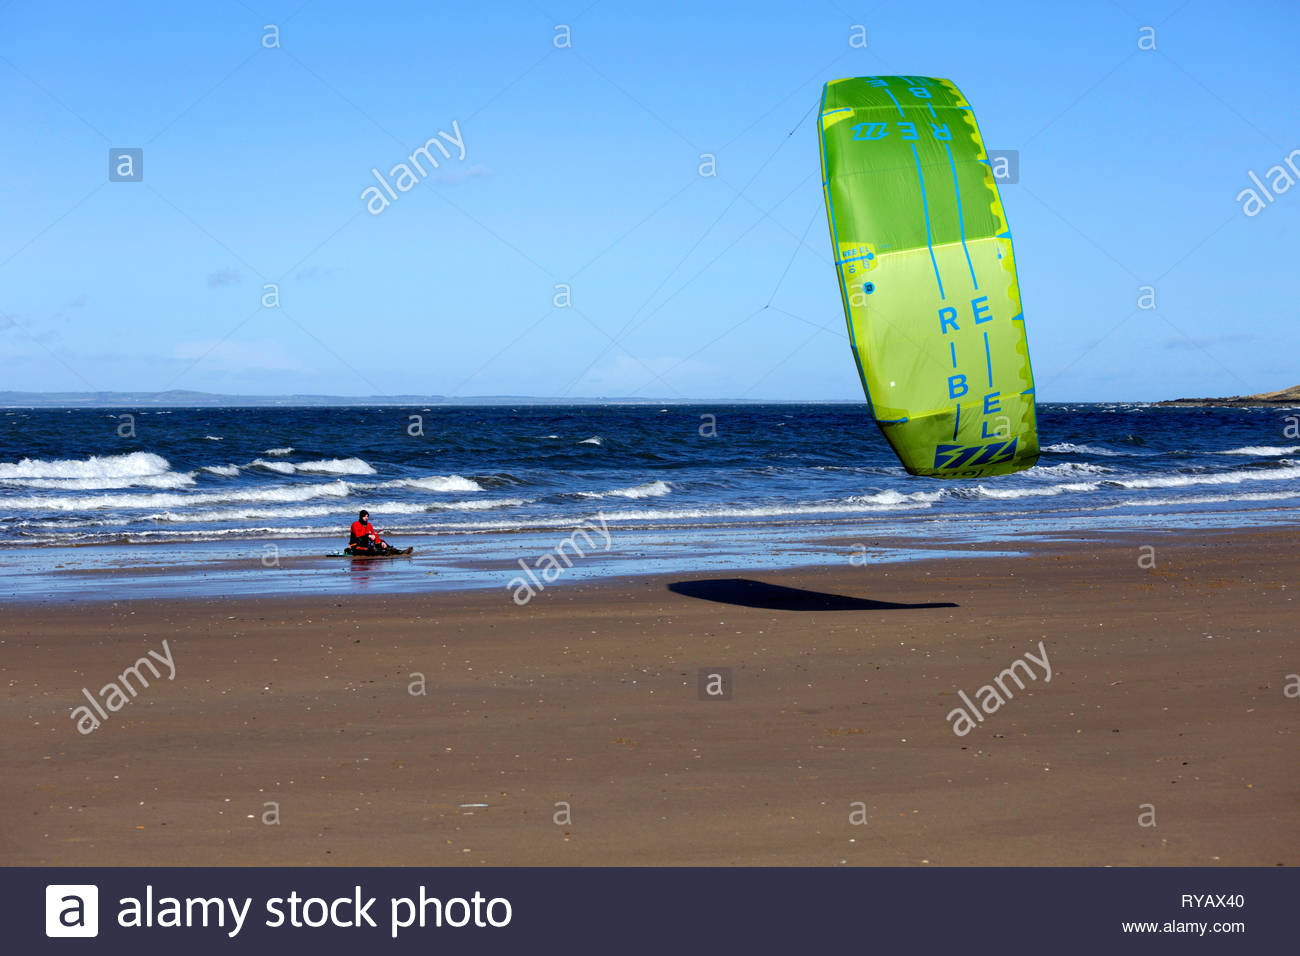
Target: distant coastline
1284 397
183 398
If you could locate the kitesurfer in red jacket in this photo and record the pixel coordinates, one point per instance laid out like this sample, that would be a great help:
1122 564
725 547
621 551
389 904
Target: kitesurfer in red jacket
365 539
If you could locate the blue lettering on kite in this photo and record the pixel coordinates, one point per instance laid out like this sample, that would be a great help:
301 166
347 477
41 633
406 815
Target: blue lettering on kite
981 309
873 131
941 132
956 383
992 403
947 317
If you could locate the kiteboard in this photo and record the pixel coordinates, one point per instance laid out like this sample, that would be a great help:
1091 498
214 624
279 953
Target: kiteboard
348 553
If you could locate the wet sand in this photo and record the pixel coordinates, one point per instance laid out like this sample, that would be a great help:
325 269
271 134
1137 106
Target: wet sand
577 719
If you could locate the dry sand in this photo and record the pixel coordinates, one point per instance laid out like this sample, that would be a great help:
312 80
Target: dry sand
1167 697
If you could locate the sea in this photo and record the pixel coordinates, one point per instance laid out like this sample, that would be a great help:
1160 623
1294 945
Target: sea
477 488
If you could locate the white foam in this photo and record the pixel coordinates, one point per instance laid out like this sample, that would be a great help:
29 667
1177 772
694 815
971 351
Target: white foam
1070 468
593 440
1261 451
381 511
1041 492
135 465
267 511
287 494
330 466
435 483
213 438
478 504
337 466
651 489
1069 448
652 517
771 511
170 480
1214 499
225 471
188 534
1221 478
891 497
248 513
279 452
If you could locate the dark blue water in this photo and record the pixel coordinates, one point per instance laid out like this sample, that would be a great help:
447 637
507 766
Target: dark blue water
185 475
249 501
213 474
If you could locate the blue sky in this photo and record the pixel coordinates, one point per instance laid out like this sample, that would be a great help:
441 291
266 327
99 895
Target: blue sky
581 168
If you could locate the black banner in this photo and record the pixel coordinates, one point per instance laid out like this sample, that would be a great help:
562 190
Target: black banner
201 910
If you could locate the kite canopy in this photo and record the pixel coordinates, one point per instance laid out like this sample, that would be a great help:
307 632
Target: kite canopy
927 276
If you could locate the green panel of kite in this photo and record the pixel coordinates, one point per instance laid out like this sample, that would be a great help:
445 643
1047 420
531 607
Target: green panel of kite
927 276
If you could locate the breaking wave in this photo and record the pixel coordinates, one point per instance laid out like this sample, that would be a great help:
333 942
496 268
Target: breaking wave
137 464
1069 448
651 489
1261 451
330 466
435 483
290 493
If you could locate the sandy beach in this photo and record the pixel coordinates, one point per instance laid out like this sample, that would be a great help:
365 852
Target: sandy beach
459 728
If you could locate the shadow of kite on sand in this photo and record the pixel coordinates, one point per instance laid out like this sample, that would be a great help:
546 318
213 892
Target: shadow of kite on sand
744 592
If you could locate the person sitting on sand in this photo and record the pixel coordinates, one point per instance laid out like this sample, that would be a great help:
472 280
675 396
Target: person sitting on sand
365 538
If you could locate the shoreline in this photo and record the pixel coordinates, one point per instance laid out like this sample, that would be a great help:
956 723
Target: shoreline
305 567
1167 689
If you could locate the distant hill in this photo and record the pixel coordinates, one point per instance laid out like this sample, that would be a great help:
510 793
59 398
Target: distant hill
1286 396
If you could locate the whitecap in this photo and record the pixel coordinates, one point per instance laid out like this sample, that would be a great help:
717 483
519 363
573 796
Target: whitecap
891 497
163 482
651 489
1069 448
1222 478
330 466
135 464
435 483
1042 492
285 493
1070 468
1261 451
